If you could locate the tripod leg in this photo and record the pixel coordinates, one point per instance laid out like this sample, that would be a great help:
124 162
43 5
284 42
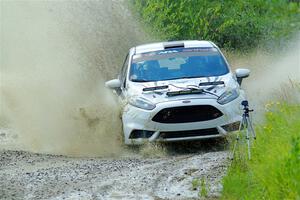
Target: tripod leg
242 124
235 144
237 137
251 128
248 142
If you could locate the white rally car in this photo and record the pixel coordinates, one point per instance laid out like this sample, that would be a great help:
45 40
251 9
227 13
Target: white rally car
180 90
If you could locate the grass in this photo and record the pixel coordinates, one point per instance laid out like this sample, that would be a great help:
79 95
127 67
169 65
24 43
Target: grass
201 186
274 170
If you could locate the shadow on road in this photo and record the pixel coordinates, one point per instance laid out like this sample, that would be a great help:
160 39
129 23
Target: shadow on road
181 148
200 146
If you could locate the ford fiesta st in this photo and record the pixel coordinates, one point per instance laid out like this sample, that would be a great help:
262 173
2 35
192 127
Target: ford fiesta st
180 90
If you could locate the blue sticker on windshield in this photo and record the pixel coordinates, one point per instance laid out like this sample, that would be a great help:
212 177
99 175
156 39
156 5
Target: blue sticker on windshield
178 50
198 49
168 51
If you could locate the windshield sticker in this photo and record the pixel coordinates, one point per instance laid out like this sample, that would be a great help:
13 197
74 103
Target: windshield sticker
169 51
199 49
173 53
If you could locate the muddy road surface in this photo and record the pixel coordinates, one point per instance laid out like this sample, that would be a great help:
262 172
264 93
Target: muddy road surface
26 175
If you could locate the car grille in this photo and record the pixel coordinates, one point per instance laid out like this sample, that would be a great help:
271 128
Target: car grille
190 133
186 114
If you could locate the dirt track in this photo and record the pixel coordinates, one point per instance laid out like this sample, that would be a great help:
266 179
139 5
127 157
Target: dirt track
35 176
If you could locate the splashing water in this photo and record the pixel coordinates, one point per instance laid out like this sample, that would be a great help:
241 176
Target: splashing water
55 57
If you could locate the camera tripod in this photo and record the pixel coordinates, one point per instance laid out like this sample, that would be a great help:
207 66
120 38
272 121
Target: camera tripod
245 127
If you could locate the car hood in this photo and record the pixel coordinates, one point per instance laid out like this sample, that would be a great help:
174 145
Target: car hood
136 89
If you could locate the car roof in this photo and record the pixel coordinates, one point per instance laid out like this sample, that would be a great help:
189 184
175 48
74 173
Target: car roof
172 44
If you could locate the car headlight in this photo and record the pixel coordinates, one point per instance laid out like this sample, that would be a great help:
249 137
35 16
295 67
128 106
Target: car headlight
142 103
228 96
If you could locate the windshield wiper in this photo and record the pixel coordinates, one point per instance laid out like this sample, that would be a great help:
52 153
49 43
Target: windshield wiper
156 88
141 80
212 83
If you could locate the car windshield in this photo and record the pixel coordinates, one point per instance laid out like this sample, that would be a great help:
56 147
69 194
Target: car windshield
176 64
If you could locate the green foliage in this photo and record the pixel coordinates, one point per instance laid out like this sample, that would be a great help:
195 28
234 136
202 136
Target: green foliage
203 191
201 186
195 183
274 170
238 24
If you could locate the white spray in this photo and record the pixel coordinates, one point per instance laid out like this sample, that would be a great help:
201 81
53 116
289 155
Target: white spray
55 57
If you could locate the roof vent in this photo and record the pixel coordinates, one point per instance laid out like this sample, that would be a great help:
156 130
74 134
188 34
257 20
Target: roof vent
171 45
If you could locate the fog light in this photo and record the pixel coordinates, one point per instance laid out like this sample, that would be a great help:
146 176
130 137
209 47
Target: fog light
232 127
141 134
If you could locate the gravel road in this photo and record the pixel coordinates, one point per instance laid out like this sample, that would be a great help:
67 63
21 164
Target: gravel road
153 171
26 175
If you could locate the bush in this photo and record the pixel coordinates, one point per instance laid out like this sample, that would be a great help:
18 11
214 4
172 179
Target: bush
239 24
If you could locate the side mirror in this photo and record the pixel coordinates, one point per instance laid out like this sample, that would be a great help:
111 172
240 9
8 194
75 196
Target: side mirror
113 84
241 73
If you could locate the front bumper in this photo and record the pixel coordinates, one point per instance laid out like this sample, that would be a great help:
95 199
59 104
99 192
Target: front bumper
138 119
